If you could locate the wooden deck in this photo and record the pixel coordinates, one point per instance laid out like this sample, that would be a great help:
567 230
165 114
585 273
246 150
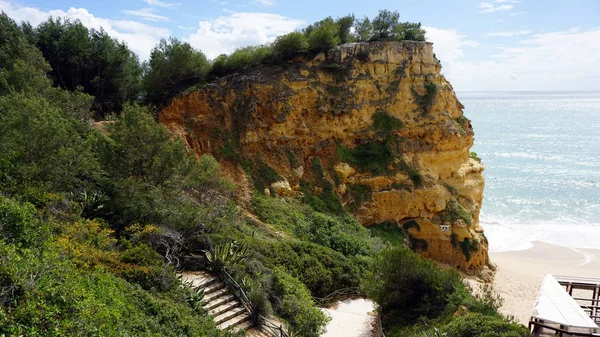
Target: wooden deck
585 291
567 306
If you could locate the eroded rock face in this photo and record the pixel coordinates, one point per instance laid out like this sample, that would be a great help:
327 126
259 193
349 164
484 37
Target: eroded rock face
373 124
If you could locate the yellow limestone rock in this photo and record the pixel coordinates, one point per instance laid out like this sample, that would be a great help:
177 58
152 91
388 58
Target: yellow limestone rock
300 119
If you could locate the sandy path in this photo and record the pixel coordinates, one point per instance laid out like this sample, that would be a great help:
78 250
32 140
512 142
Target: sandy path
351 318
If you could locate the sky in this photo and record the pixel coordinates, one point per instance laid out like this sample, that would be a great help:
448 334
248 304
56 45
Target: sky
492 45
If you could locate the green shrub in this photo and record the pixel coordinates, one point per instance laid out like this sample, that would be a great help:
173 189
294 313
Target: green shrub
363 55
290 45
57 298
478 325
389 232
408 287
294 304
467 247
141 255
43 151
20 224
321 269
325 202
344 235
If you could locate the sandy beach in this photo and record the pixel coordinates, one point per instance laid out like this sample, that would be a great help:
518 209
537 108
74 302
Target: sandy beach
520 273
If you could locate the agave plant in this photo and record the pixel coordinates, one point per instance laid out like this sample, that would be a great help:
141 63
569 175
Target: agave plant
194 296
228 254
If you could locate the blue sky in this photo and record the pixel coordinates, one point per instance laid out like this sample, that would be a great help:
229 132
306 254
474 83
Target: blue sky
483 45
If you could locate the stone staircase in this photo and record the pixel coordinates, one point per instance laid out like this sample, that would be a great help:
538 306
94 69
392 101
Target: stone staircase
221 304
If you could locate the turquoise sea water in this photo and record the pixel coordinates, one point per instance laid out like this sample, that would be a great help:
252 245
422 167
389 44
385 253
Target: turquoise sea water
541 152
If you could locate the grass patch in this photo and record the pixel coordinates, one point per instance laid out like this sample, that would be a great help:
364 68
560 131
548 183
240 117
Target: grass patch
285 215
372 157
473 155
454 212
325 202
261 173
385 125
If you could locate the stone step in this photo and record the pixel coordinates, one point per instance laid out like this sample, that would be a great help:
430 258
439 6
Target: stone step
224 307
234 322
218 301
198 278
213 287
247 325
207 282
229 314
216 294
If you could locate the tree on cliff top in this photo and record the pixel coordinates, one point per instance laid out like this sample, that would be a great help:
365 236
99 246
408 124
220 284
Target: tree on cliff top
290 45
173 67
323 35
384 24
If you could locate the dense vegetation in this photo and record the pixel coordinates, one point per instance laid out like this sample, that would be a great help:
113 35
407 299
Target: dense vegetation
96 218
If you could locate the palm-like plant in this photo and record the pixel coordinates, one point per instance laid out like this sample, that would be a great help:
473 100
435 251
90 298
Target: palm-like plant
228 254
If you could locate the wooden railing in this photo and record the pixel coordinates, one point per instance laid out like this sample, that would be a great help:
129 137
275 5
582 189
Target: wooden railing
340 294
268 326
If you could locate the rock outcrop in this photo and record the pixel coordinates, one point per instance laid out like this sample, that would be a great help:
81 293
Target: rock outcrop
373 126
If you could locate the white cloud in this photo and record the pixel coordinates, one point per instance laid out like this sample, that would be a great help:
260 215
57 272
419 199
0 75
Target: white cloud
264 2
509 33
146 14
158 3
448 44
140 37
516 13
564 60
239 29
488 7
508 1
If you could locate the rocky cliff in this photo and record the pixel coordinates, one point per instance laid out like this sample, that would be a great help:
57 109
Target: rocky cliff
374 127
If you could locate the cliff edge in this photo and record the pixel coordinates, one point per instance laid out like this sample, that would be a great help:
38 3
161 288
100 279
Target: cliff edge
371 126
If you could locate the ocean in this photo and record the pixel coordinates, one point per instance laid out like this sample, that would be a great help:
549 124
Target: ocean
541 152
